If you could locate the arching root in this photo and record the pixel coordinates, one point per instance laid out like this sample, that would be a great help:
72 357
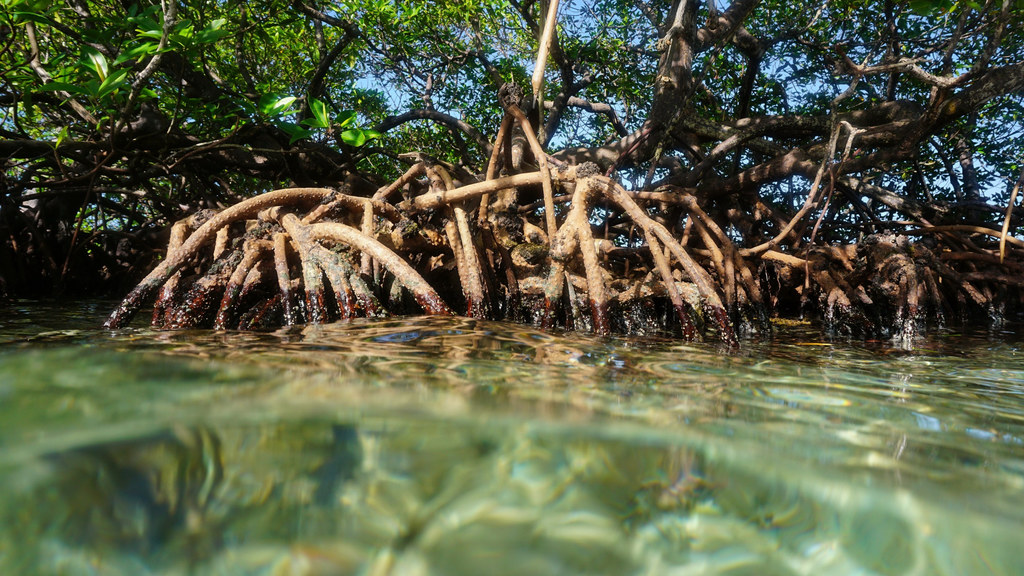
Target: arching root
291 256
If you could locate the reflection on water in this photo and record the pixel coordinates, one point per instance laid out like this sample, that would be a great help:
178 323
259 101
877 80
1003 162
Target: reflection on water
451 446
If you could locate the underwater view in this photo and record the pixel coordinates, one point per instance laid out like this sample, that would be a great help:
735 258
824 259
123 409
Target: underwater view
451 446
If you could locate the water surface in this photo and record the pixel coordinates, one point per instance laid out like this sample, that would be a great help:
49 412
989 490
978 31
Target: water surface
451 446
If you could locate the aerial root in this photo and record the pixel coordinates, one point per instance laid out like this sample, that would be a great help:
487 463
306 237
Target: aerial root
733 267
887 286
595 256
464 249
301 256
318 255
189 249
253 252
698 275
334 256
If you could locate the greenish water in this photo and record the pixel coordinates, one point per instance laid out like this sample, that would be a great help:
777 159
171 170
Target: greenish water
447 446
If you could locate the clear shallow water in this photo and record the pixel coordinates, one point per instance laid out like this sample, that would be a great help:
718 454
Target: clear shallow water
449 446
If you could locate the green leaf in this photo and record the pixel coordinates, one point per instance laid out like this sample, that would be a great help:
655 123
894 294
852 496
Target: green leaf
112 83
94 60
137 53
247 106
104 35
319 111
275 104
294 130
345 118
356 137
184 33
412 12
22 17
58 86
30 5
61 137
215 31
929 7
149 28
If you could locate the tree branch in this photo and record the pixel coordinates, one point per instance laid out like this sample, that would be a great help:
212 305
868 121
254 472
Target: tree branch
316 82
596 108
37 67
725 25
441 118
170 18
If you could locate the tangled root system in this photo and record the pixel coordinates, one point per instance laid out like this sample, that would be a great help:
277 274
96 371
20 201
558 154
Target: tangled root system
554 245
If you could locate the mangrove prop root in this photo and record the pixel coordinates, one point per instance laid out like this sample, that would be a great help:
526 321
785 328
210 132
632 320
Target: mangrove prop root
253 252
179 232
202 236
596 255
284 280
